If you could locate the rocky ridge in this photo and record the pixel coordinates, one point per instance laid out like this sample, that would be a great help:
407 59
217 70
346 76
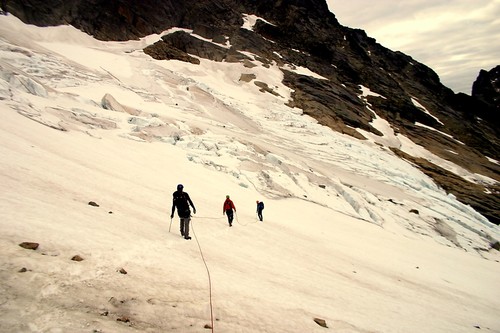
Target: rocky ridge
487 88
460 128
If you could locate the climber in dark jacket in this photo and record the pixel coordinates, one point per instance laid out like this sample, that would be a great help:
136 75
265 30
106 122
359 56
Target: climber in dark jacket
260 208
182 201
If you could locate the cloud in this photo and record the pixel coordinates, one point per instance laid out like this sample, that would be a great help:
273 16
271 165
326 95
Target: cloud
455 38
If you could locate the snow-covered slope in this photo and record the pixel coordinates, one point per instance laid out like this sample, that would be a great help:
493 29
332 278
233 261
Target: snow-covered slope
351 233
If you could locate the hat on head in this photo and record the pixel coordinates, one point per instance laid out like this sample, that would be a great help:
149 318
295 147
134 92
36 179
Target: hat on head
180 187
227 196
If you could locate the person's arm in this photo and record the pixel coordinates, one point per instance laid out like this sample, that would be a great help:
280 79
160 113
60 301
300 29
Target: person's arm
190 203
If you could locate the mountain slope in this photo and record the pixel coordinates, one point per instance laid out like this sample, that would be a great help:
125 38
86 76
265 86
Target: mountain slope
458 128
352 234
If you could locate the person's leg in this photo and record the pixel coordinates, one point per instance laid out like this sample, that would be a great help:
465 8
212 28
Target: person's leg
186 227
230 217
182 226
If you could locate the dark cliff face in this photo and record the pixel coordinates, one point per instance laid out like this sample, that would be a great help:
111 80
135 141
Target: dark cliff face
105 20
486 88
304 33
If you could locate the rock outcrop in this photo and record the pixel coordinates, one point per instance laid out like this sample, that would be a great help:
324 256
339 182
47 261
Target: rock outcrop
486 88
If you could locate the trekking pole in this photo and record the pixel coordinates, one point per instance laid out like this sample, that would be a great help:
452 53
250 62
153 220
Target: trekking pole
170 225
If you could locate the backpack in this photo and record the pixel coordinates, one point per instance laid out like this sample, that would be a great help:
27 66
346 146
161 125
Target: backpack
261 205
228 205
181 203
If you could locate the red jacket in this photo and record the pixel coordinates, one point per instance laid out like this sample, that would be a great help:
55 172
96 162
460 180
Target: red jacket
228 205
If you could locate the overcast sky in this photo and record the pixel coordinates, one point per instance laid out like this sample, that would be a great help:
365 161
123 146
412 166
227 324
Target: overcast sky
456 38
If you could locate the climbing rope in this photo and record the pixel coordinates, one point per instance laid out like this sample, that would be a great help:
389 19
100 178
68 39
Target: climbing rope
208 218
209 279
238 220
205 263
220 218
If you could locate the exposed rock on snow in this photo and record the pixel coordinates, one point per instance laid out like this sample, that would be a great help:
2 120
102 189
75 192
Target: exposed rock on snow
77 258
29 245
320 322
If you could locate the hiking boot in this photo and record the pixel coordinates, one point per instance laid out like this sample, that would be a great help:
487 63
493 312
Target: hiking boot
187 237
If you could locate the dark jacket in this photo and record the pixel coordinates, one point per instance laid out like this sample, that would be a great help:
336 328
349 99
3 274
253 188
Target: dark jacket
260 206
182 201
